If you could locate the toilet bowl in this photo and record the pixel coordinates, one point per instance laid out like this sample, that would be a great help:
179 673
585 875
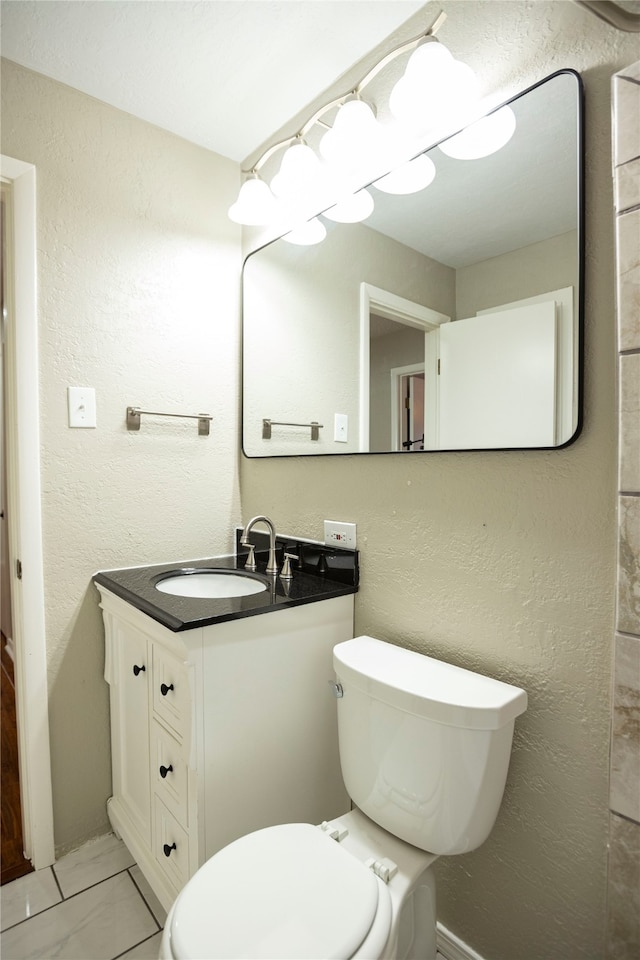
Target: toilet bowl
424 749
297 892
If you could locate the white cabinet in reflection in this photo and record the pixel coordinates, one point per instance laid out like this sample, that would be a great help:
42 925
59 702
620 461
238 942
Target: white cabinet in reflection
496 382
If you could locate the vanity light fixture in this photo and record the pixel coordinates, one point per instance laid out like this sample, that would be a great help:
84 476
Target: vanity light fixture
436 94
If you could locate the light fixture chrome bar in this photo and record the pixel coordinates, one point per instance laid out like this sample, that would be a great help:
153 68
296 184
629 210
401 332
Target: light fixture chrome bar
402 48
267 424
354 91
134 414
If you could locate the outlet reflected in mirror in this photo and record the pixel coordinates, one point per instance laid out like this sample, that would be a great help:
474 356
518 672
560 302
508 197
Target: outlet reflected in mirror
449 320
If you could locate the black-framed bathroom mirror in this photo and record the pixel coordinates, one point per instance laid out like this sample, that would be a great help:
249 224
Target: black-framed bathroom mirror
450 319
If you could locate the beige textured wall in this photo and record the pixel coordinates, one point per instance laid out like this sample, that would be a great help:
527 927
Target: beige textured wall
504 562
138 276
541 267
299 303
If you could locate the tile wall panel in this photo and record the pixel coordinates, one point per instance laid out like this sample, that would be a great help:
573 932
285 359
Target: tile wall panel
623 927
623 939
625 741
629 422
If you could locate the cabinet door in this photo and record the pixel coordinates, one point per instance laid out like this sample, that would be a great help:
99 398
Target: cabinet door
130 725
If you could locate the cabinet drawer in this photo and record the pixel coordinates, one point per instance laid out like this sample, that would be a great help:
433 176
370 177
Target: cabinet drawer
171 845
169 775
171 696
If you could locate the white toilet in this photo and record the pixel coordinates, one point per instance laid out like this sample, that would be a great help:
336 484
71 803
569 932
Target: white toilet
424 750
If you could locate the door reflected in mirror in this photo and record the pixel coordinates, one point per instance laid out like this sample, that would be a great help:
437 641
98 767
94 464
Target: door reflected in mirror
449 320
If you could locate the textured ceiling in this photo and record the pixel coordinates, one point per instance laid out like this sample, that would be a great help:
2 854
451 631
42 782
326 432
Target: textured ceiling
230 75
224 74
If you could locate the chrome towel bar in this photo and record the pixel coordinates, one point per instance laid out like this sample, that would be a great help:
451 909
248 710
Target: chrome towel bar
267 424
134 414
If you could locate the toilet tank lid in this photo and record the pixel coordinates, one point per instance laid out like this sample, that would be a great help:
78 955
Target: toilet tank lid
426 687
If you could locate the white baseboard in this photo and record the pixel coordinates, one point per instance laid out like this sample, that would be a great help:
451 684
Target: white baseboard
452 947
10 648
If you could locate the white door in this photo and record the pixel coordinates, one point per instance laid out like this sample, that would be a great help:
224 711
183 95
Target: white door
497 383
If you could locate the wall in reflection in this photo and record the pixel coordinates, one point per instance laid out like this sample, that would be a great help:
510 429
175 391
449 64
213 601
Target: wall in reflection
302 336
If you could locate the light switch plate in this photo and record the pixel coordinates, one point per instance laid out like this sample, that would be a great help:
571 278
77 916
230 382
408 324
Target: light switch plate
340 428
82 406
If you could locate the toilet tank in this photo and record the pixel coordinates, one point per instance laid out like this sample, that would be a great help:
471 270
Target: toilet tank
424 745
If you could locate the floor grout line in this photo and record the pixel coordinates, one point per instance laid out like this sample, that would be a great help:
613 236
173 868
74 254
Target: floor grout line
77 894
135 945
144 899
55 877
97 883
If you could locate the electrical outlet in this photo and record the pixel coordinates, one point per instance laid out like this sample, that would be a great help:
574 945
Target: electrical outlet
338 534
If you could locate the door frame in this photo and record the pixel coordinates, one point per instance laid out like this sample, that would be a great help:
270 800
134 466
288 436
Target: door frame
392 307
25 522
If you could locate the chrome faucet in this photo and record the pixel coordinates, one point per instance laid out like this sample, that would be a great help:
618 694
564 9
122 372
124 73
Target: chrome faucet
272 566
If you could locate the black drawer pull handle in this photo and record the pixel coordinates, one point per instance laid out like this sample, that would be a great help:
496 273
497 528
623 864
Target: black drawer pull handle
164 689
137 669
165 770
167 849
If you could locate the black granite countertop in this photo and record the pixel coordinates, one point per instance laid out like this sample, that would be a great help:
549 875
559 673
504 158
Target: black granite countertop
313 580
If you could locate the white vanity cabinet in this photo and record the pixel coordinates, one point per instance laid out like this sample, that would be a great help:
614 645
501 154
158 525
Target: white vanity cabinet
220 730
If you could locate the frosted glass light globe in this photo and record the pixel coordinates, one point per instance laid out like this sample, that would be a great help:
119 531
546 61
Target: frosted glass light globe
354 134
429 60
410 177
307 234
352 209
482 138
299 170
255 206
435 89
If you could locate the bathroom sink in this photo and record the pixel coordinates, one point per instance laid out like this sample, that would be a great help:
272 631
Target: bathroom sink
209 584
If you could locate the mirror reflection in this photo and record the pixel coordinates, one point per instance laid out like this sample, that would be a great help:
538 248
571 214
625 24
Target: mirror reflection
448 320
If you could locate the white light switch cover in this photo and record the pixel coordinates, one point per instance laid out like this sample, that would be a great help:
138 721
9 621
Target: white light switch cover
82 406
340 428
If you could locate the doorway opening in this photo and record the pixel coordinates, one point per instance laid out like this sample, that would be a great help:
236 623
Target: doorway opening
23 512
14 863
394 339
407 408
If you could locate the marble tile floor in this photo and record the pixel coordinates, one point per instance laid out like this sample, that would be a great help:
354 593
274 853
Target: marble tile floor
93 904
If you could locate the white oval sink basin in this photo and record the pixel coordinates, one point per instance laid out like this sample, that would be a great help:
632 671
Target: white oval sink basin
210 585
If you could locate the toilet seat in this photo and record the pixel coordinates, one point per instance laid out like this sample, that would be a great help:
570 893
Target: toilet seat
283 893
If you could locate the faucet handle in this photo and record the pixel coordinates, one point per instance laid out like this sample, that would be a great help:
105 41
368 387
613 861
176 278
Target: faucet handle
285 573
251 557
